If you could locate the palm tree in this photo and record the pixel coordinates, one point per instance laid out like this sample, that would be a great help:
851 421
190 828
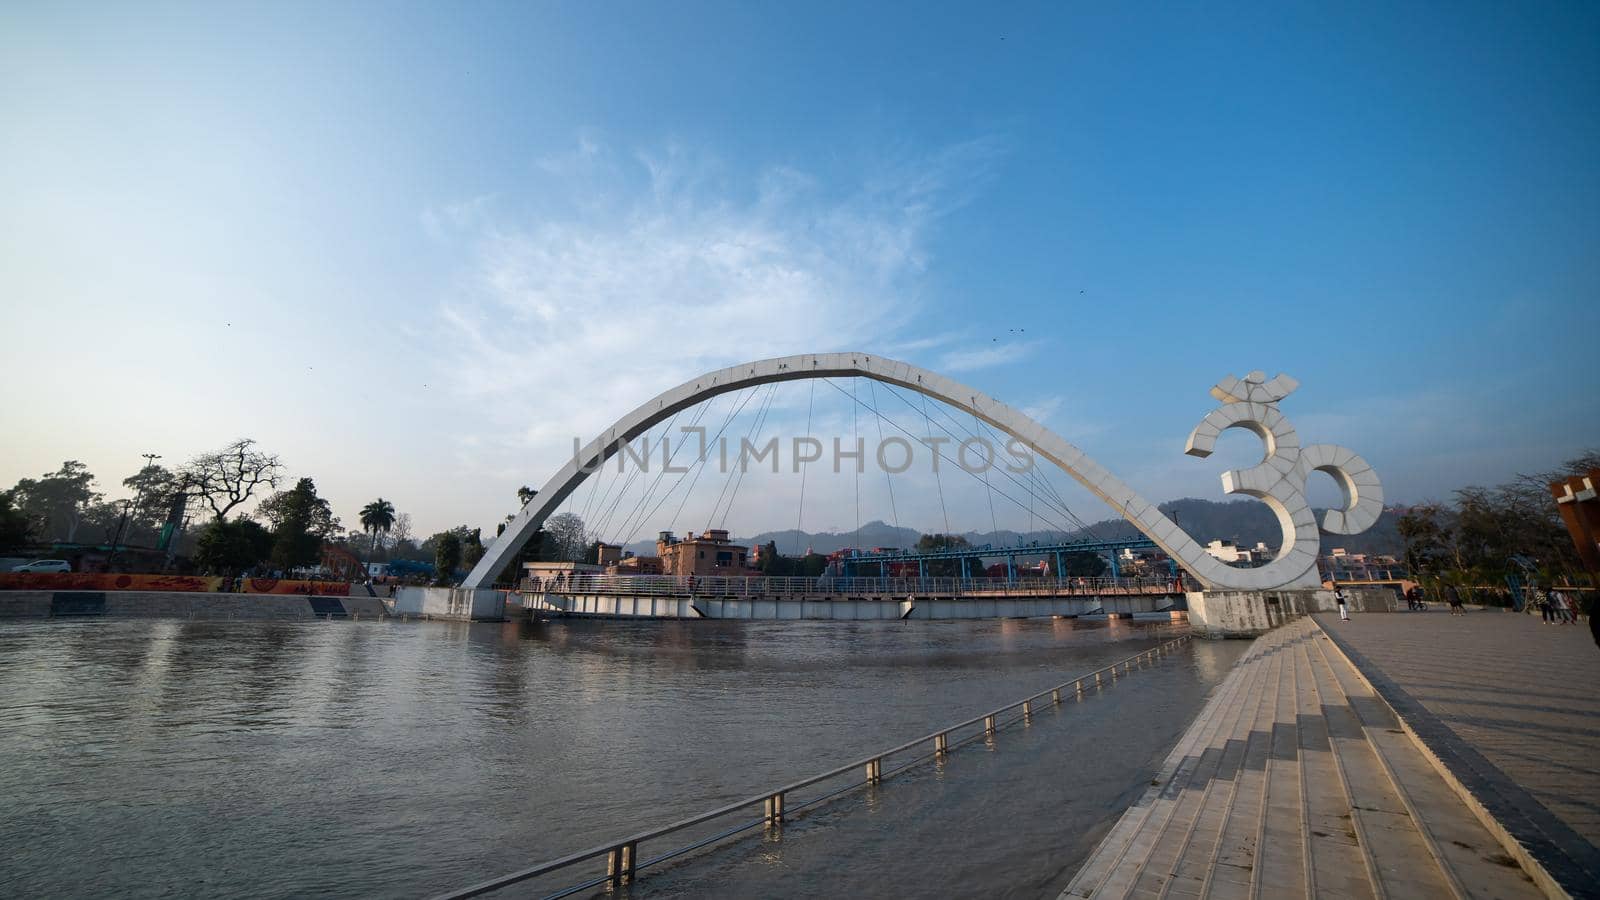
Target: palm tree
375 517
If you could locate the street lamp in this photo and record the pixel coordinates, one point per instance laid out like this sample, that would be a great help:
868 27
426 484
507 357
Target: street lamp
128 506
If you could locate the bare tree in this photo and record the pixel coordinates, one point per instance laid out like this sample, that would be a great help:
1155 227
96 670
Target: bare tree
230 476
402 528
565 538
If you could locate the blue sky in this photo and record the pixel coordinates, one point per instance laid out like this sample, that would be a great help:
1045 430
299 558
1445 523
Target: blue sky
415 248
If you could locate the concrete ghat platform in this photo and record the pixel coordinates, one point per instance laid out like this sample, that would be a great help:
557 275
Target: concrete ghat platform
1506 705
1297 780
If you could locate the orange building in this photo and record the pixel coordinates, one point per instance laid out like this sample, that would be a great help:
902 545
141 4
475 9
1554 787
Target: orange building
635 565
709 554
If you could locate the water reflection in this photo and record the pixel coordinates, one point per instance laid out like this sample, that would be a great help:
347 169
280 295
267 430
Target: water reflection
405 758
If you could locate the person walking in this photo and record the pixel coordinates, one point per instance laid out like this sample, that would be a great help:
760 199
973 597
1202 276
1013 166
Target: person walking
1343 601
1563 608
1456 609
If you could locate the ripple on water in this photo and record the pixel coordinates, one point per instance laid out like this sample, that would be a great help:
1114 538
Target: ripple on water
365 758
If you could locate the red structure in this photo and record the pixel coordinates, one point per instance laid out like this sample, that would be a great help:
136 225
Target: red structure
1580 510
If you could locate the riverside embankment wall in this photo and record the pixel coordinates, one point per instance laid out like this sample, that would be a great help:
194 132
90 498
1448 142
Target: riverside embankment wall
183 605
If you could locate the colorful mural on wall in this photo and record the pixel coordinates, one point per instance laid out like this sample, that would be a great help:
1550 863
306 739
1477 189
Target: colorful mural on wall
97 581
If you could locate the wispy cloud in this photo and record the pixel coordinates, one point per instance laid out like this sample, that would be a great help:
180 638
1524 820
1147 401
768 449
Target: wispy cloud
1041 410
565 321
997 354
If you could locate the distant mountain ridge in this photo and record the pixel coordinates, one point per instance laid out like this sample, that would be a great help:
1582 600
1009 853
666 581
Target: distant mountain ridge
1244 522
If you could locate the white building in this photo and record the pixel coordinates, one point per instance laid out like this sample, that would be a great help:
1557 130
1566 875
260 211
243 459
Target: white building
1230 553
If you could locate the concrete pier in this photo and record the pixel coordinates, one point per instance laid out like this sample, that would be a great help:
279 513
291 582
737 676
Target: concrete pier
452 604
1247 614
1298 780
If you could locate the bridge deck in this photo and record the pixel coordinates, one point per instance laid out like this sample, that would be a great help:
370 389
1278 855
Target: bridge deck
1296 780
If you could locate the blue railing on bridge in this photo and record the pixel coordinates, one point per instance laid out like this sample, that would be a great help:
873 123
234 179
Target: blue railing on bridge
764 586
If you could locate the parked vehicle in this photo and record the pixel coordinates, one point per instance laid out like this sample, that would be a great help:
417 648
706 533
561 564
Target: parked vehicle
44 565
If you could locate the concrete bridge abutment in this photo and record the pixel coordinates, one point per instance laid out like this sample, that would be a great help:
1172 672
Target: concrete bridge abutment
1247 614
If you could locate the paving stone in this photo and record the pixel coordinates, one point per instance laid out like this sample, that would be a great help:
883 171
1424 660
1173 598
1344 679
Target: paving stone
1295 781
1507 704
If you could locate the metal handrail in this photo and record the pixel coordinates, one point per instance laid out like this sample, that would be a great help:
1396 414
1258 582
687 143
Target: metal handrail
748 586
622 854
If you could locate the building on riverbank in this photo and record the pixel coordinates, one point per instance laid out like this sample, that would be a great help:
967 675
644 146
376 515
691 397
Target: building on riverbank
711 553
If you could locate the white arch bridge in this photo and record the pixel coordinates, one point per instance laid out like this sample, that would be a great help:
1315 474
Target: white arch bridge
1249 403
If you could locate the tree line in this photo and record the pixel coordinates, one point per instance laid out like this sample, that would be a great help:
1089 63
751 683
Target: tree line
1485 534
200 512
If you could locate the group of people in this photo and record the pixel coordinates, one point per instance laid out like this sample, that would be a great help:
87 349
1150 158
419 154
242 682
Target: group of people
1414 600
1556 607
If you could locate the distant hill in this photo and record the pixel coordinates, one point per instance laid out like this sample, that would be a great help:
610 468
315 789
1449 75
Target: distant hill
1242 521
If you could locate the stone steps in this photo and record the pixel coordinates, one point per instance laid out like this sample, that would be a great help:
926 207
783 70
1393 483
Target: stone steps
1295 780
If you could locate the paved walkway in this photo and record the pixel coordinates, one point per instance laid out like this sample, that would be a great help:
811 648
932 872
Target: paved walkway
1295 780
1511 706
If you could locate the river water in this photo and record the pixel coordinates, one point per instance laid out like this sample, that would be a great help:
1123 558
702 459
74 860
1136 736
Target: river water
161 758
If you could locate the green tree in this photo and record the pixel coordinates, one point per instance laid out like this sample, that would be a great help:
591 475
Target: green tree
15 529
943 568
446 556
472 548
1083 565
532 551
813 564
375 517
154 490
232 548
1426 536
55 503
771 563
300 522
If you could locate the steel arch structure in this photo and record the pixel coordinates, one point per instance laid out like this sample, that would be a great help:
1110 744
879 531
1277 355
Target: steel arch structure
1248 403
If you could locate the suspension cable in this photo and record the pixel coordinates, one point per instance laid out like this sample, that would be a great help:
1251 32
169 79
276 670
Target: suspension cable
664 432
941 454
634 519
855 434
700 467
969 433
800 513
1061 503
736 479
888 479
608 504
937 480
988 490
618 502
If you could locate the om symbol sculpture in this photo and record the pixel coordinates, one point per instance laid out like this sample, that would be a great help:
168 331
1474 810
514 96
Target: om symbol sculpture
1280 480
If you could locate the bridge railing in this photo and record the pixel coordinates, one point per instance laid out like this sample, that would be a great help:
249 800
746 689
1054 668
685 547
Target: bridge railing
766 586
622 856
